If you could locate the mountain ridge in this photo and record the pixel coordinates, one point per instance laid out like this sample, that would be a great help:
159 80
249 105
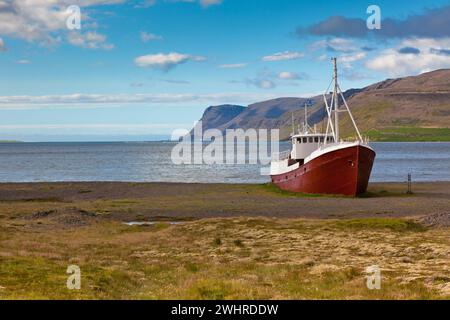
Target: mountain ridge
389 110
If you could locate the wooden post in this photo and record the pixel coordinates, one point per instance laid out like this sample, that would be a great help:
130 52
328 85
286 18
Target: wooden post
409 184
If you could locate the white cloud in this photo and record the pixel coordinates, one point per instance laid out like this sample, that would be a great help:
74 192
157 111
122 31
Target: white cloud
145 4
261 83
207 3
90 40
282 56
265 84
348 59
81 129
2 45
397 64
352 75
287 75
174 81
146 36
233 65
24 61
203 3
334 44
87 126
165 61
79 126
40 20
78 100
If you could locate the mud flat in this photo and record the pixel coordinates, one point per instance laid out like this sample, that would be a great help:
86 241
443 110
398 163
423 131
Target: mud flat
218 241
131 201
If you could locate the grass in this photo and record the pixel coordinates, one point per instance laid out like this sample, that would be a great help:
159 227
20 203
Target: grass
238 257
238 243
272 188
384 193
371 193
399 225
234 258
408 134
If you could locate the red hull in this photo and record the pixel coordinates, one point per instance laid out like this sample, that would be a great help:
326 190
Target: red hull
344 171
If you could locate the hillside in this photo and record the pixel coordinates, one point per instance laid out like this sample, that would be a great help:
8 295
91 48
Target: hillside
216 116
412 108
415 108
270 114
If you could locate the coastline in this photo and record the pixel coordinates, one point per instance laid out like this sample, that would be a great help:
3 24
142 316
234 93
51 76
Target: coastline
146 201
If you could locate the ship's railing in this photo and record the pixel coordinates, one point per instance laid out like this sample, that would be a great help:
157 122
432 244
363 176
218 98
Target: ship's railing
278 156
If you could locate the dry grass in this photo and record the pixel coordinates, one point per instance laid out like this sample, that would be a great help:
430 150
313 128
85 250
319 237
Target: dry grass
226 258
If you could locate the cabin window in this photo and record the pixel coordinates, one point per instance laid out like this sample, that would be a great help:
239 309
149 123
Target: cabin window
321 139
310 139
304 140
316 139
299 140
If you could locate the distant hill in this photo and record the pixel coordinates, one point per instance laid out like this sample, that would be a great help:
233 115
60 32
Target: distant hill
267 114
217 116
413 108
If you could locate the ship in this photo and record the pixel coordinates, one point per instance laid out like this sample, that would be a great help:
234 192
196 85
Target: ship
323 163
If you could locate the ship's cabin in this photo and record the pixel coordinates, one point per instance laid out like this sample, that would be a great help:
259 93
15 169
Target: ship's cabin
304 144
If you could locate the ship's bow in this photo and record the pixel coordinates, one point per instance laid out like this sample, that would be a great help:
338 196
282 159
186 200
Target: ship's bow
365 159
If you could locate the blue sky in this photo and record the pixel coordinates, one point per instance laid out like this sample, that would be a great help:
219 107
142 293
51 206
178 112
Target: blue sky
137 69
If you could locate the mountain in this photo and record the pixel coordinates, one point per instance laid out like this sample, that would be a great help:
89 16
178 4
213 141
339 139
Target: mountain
217 116
411 108
267 114
415 108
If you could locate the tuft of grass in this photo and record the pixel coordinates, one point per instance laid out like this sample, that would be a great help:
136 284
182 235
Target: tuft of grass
50 199
192 267
270 187
399 225
217 241
209 289
383 193
238 243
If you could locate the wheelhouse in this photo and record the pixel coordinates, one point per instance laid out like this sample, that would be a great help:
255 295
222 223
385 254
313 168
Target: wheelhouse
304 144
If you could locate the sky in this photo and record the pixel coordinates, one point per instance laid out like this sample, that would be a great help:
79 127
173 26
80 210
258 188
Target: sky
138 70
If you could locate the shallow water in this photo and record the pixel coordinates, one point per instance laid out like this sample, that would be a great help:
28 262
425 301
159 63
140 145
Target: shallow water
150 161
148 223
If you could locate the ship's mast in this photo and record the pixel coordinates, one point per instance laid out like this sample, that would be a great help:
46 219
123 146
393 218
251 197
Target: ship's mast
333 107
306 116
293 124
305 126
336 103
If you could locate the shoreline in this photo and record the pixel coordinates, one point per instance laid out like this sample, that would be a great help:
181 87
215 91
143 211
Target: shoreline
140 201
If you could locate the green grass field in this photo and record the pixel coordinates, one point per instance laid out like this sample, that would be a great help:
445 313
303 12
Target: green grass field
409 134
